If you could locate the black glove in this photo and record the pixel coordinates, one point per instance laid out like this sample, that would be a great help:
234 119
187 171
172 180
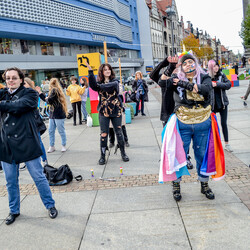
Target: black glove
185 85
170 68
155 74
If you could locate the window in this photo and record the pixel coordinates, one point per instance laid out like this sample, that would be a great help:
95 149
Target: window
132 21
47 48
136 23
64 49
6 46
28 47
137 36
169 38
165 35
133 35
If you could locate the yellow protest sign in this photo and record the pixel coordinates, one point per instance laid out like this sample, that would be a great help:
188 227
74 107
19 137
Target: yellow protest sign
93 59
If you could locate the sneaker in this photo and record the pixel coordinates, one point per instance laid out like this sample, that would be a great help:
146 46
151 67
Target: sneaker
63 149
228 148
243 98
22 167
51 149
53 212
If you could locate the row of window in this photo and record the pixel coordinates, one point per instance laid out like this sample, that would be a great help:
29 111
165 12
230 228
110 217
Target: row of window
18 47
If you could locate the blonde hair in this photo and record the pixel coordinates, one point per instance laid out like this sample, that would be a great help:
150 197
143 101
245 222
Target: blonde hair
138 72
29 82
55 85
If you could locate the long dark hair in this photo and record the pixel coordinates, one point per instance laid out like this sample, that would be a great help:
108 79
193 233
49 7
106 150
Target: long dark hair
100 77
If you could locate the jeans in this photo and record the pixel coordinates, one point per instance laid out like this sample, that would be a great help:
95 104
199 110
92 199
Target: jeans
78 105
59 124
36 171
142 97
84 111
104 126
112 134
44 156
223 121
199 134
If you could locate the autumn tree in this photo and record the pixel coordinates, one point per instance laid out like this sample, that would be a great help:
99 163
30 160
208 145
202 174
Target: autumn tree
208 52
192 43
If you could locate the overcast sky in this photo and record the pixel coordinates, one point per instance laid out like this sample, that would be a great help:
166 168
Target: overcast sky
220 18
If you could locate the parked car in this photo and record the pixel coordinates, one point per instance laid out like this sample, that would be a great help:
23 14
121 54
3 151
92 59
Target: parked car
129 80
148 80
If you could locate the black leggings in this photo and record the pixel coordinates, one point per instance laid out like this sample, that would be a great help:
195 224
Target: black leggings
112 134
78 104
223 118
104 126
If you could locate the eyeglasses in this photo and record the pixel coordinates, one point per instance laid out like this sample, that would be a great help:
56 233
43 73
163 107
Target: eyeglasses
188 62
13 79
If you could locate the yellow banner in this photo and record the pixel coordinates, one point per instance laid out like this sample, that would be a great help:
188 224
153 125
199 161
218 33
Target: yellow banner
94 60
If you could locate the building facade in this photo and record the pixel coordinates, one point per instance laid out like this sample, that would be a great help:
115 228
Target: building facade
43 37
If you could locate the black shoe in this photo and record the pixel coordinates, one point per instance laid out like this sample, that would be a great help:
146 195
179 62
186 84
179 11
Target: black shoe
53 212
124 157
102 160
127 144
11 218
135 114
143 114
111 145
176 191
206 190
74 124
80 123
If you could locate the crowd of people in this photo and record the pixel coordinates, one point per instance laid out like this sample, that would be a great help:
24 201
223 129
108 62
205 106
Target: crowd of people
188 92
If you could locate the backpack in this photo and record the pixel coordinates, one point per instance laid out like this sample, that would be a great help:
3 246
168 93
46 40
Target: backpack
59 176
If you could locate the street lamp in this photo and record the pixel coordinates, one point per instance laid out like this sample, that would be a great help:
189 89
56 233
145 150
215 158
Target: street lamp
171 12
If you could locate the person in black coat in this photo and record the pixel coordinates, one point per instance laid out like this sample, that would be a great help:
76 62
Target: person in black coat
219 97
141 89
19 141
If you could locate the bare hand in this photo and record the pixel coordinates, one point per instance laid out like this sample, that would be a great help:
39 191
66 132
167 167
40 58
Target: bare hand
89 67
195 89
175 81
173 59
38 89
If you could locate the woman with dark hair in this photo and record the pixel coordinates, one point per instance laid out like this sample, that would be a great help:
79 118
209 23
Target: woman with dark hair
75 92
191 88
141 89
19 142
220 102
110 107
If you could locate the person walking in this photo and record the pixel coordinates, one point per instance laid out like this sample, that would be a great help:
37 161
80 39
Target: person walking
110 107
75 92
57 113
141 89
244 97
84 96
19 142
192 88
220 101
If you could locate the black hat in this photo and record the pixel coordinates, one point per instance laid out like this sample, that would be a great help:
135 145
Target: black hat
185 57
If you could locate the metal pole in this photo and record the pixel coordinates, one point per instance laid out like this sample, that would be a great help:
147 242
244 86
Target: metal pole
172 34
120 69
105 51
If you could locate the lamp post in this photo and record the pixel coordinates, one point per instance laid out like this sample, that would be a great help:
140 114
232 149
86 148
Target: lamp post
171 12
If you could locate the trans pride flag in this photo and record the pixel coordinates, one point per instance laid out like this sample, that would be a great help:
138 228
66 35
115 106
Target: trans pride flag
173 157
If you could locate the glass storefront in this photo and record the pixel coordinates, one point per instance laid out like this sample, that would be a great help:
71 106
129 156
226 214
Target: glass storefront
6 46
47 48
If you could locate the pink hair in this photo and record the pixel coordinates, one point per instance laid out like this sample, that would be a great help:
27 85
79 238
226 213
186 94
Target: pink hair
182 76
211 65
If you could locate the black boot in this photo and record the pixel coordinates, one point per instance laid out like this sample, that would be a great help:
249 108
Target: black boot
102 159
176 191
123 154
206 190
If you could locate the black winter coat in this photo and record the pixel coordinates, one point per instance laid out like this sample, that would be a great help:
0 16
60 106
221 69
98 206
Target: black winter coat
145 86
19 140
219 95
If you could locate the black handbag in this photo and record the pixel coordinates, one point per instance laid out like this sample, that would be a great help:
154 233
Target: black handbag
133 96
59 176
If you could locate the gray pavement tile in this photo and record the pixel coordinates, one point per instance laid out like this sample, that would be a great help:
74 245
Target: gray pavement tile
68 204
217 226
244 157
154 229
133 199
43 233
192 196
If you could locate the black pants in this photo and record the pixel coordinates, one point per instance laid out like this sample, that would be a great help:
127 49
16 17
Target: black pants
104 126
223 118
142 97
112 134
78 105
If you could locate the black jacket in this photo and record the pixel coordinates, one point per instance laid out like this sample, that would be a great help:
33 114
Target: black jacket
219 96
19 140
204 89
145 86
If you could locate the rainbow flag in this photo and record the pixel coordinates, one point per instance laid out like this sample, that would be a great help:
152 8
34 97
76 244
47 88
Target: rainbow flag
214 160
